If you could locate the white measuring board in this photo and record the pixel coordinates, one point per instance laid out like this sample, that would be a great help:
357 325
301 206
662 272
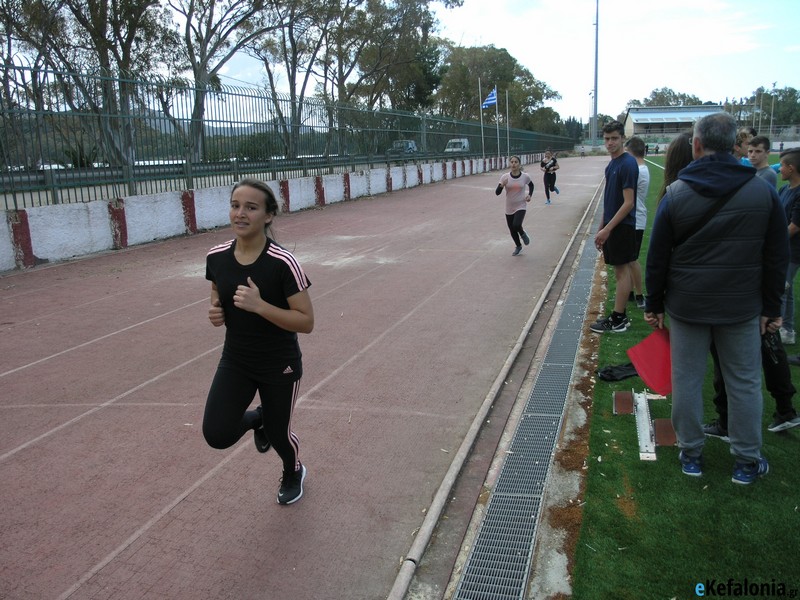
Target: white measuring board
644 427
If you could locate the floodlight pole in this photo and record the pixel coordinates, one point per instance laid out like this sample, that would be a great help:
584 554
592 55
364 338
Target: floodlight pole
596 46
772 110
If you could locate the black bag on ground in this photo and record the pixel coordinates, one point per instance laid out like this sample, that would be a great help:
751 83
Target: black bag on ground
617 372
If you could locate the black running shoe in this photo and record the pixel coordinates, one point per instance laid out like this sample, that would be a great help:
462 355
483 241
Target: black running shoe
611 324
717 430
291 489
260 436
784 422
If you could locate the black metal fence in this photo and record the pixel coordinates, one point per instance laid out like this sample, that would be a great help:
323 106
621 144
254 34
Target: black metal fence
74 138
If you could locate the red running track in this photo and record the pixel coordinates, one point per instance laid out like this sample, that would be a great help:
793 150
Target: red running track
108 488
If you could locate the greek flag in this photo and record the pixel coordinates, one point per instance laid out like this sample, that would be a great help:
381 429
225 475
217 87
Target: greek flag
491 99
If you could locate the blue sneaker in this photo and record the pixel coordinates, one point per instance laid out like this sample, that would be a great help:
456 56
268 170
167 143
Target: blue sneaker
747 473
555 189
691 465
525 239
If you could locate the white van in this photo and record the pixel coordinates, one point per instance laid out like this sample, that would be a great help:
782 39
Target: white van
457 145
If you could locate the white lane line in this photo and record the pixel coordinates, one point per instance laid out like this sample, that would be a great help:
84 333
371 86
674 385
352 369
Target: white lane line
183 495
98 339
107 403
386 332
128 328
144 528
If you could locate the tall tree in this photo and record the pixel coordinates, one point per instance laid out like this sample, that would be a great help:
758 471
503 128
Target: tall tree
667 97
574 128
399 67
118 40
458 94
213 32
293 49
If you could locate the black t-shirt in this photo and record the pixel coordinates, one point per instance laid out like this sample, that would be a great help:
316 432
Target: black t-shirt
790 199
548 164
251 341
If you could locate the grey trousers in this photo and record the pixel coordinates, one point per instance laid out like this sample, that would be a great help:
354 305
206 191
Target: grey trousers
739 350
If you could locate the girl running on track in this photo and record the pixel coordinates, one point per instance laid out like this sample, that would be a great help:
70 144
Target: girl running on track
260 293
549 166
516 183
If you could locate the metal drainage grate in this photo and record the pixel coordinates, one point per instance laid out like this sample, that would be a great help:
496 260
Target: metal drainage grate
499 561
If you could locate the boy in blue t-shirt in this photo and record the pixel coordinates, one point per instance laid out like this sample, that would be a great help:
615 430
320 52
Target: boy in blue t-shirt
617 235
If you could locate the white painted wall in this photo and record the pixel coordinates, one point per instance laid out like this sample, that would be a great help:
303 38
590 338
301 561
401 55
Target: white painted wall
211 207
359 184
62 231
398 175
302 193
7 260
412 176
153 217
377 181
334 188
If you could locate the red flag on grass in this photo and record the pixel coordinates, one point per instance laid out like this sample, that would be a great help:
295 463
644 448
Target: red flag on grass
652 361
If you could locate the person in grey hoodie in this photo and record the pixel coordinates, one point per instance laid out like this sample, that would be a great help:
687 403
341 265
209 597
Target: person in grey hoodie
716 265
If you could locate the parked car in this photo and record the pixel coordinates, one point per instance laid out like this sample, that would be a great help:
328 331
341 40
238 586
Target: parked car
402 147
457 146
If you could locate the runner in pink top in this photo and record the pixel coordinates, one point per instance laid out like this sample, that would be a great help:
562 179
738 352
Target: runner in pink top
519 189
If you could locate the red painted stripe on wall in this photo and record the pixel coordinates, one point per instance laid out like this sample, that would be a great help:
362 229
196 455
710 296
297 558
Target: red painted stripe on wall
189 213
284 191
119 225
21 238
319 191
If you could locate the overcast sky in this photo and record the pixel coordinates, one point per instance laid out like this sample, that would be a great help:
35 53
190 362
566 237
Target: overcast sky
712 49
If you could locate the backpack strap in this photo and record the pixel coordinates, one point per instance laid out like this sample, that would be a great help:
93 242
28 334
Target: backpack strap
707 216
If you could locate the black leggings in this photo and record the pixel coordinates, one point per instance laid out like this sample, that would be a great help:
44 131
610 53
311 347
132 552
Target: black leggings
515 225
227 419
549 183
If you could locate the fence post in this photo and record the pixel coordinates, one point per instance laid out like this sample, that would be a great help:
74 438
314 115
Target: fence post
127 177
50 184
187 172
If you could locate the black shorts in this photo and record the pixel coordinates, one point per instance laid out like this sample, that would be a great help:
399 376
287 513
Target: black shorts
620 248
639 238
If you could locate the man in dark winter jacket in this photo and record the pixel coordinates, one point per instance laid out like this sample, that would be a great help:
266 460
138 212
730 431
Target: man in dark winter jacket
716 265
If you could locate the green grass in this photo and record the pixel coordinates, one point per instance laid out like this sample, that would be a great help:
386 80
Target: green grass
650 532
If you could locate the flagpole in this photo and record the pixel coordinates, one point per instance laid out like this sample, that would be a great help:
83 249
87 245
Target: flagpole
508 129
480 108
497 121
491 99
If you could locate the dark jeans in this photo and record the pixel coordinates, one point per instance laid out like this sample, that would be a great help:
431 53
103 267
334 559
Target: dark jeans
777 378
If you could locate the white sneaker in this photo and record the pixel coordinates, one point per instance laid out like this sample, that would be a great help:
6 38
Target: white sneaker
787 337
